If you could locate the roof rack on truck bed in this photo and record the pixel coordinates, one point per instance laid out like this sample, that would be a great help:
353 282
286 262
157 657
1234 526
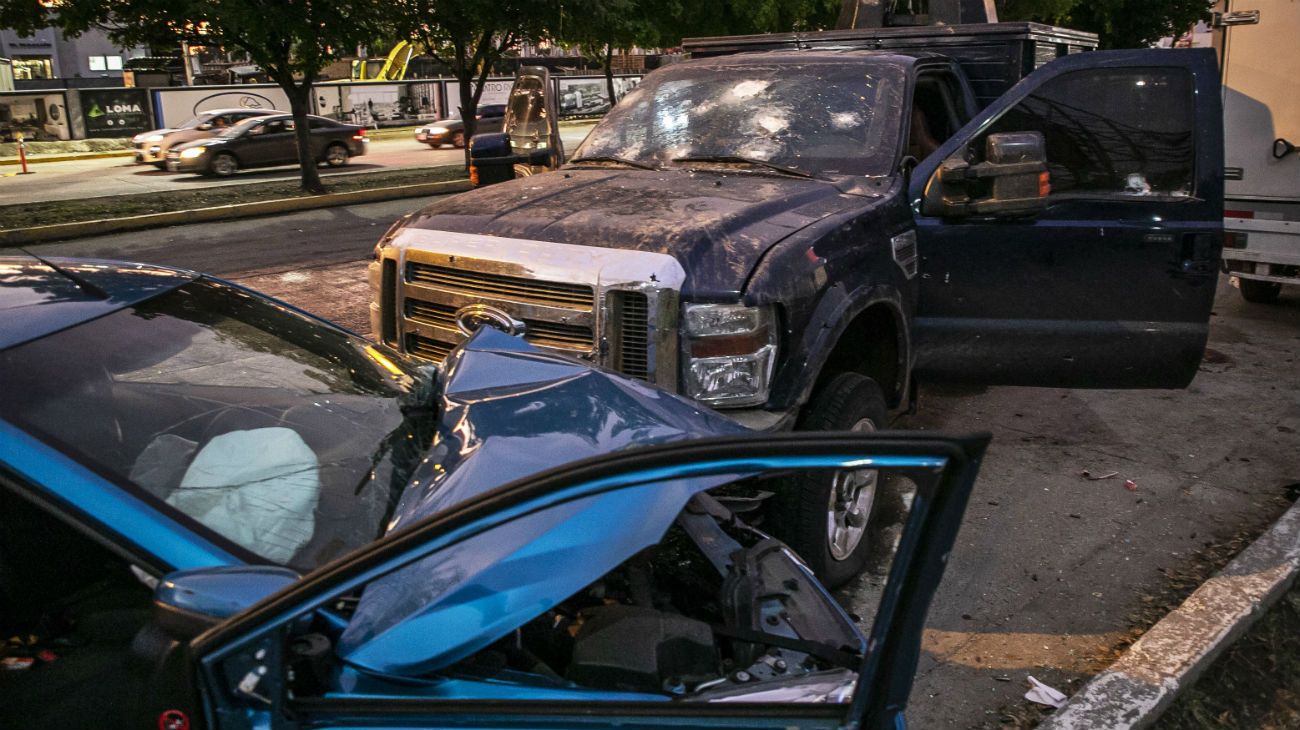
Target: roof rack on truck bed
994 55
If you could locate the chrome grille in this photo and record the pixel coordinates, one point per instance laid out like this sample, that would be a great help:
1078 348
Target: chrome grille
502 286
427 348
540 333
630 333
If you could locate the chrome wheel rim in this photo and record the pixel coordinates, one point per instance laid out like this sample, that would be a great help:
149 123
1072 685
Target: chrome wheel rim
853 492
336 156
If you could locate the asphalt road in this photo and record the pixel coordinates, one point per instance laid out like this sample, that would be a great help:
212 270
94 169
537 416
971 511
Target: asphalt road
121 176
1050 568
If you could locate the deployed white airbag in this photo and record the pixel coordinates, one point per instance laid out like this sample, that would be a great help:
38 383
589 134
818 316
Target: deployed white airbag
258 488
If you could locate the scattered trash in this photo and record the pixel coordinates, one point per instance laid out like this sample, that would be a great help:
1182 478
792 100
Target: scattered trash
1097 477
1130 485
1043 695
16 663
1001 678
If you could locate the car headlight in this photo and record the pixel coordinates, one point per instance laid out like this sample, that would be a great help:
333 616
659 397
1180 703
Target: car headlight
730 353
437 130
147 138
193 152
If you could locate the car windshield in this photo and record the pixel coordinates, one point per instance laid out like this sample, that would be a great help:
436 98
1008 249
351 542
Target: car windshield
240 128
831 118
196 121
268 432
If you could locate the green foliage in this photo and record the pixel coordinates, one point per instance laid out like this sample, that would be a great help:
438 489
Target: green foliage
1120 23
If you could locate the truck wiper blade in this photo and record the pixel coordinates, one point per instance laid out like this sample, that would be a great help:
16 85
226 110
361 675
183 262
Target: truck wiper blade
612 158
746 161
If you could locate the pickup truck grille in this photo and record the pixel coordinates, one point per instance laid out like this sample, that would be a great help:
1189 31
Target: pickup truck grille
501 286
540 333
627 324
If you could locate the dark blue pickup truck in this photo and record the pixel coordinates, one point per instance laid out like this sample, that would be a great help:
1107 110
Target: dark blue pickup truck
799 234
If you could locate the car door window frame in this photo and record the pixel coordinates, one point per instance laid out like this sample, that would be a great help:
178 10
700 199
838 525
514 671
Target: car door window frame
923 549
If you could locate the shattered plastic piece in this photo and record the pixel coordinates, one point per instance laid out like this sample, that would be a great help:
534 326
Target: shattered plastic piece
1130 485
1044 695
1097 477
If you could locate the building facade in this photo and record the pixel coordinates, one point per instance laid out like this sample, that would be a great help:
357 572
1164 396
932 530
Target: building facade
47 59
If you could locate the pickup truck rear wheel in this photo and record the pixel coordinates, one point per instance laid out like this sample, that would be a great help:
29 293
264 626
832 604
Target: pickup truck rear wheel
1259 292
827 518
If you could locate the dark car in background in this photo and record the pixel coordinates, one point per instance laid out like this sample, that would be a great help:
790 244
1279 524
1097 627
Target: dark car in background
151 147
452 129
268 142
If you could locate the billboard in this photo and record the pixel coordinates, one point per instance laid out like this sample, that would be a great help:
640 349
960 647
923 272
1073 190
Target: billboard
495 91
115 112
34 115
591 95
175 105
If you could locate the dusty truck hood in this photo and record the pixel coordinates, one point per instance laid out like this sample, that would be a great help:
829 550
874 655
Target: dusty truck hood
510 410
717 225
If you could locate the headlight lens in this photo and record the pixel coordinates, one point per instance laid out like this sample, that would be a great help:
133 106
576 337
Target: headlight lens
437 130
730 353
193 152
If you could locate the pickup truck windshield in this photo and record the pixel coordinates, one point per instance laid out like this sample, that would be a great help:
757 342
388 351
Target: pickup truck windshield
823 118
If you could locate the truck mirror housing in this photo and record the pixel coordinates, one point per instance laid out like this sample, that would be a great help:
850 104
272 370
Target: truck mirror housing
1012 179
490 159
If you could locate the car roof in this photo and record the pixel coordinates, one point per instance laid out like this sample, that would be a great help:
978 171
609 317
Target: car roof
36 300
233 110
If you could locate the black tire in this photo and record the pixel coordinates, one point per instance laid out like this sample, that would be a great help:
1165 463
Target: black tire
458 139
160 164
1259 292
336 155
223 164
799 513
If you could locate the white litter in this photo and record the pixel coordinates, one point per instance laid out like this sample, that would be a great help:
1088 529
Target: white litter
1044 695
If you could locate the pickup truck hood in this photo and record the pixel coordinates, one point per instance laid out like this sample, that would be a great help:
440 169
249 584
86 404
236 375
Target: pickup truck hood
717 224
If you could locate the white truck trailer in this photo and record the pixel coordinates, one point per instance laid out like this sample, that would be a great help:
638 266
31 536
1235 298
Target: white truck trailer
1259 45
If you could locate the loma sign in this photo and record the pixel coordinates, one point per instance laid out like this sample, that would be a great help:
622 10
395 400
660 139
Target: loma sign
115 112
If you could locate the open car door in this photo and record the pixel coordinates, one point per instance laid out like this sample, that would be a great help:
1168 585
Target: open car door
529 141
618 590
1070 234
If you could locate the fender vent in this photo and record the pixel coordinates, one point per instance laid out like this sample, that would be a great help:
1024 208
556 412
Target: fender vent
630 333
905 255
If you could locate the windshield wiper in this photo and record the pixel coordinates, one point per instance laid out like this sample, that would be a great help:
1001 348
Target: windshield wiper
741 159
613 158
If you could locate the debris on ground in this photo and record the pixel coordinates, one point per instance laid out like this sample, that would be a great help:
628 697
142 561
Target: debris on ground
1097 477
1043 694
1130 485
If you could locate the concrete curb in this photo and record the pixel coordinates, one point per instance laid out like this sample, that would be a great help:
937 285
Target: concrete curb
1136 689
33 159
63 231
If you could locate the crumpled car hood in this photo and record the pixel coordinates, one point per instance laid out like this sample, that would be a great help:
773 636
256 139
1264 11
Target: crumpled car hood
718 226
510 410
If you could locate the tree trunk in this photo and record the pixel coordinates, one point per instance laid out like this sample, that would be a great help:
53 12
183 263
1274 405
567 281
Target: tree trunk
299 103
468 108
609 73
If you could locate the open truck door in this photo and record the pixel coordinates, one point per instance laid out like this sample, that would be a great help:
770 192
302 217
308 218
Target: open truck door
407 632
1070 234
529 141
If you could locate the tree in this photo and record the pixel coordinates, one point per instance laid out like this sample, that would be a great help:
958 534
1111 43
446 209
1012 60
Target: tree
599 27
471 36
291 40
1119 23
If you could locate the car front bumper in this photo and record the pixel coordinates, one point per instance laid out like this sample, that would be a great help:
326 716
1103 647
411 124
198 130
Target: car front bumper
149 153
176 163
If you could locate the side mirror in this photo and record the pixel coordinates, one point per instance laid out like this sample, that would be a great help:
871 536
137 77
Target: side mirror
189 602
491 159
1012 180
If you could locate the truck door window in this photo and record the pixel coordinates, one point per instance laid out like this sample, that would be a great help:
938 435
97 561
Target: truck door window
934 116
1121 132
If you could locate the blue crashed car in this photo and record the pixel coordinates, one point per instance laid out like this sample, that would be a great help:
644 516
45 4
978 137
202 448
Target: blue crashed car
218 511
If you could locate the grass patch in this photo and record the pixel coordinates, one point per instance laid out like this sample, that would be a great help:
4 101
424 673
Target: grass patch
10 149
1254 684
121 206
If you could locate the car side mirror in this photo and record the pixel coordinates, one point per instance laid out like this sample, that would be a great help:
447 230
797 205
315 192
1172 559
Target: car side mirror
1012 179
189 602
491 159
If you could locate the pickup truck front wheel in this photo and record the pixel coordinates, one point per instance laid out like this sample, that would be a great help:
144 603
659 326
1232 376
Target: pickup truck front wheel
1260 292
827 518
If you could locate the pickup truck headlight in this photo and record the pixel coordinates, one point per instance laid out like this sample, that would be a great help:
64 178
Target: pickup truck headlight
193 152
730 353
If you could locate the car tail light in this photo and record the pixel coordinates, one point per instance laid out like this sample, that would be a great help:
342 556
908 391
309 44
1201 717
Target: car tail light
360 138
1239 214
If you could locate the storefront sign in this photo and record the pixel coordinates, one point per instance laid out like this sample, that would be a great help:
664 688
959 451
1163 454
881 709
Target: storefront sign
115 112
